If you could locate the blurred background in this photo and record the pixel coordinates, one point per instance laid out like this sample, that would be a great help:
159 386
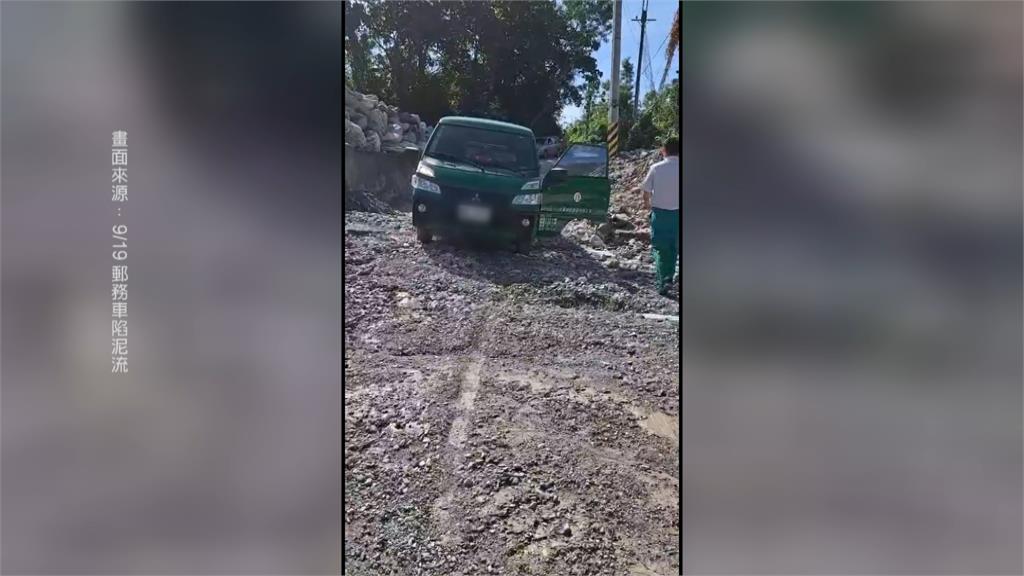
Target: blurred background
852 281
220 451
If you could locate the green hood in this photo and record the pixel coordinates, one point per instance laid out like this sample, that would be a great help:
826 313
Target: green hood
468 176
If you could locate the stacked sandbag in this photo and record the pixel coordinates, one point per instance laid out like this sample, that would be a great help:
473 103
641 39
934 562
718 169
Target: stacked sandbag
373 126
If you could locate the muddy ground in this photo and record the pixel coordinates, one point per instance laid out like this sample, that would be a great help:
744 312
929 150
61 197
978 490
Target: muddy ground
505 414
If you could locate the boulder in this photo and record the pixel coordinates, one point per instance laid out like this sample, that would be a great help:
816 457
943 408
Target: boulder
625 235
394 133
352 97
376 121
606 231
372 142
620 221
583 233
373 125
355 138
362 106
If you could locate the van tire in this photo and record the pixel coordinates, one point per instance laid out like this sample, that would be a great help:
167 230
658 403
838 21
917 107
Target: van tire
424 236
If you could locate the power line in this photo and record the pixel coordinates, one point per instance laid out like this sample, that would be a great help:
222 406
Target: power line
640 57
647 58
668 61
648 75
665 40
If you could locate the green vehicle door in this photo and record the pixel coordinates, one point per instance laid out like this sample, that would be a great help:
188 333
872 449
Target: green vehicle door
576 187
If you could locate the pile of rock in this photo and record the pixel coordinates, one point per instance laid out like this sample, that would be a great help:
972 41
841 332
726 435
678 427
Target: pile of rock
616 243
373 126
583 232
627 171
362 201
624 240
617 231
628 220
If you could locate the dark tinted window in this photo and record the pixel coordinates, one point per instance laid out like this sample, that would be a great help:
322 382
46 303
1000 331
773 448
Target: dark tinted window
485 147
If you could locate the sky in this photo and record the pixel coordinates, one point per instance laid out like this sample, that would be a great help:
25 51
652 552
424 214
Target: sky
662 12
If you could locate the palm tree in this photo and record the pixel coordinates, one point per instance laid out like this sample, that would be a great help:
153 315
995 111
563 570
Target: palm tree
670 50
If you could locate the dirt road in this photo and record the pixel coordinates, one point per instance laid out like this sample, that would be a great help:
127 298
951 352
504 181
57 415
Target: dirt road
505 414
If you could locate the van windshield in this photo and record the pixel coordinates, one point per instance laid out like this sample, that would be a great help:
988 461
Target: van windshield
490 149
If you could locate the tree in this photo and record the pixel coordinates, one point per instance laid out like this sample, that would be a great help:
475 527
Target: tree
592 88
357 61
664 111
593 126
658 119
515 61
643 134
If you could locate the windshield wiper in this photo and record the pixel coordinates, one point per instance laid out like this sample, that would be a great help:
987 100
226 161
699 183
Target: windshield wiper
453 158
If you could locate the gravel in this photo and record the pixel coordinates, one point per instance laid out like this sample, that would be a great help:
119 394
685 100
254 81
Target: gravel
505 413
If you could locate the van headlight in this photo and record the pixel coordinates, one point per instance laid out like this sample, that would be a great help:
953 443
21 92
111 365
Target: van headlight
527 199
420 183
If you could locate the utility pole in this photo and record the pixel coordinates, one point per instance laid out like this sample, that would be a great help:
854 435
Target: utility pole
613 97
640 59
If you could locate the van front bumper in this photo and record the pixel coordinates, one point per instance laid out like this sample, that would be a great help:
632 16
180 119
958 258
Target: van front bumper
439 214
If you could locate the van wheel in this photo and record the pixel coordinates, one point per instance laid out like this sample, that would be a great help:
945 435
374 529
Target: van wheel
424 236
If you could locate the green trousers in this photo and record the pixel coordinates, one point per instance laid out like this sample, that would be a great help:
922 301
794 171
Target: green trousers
664 244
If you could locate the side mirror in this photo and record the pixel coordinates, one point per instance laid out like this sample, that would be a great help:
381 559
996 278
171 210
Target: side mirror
556 176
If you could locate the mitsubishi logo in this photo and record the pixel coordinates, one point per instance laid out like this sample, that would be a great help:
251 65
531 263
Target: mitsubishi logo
476 197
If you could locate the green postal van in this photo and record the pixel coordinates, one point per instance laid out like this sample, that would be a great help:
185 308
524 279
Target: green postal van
481 178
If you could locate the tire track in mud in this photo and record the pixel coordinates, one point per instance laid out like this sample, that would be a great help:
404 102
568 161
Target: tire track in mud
468 388
467 396
469 381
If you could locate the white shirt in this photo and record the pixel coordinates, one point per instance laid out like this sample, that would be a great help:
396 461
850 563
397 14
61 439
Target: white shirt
663 183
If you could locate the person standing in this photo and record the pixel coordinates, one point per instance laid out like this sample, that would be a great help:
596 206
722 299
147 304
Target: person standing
661 196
